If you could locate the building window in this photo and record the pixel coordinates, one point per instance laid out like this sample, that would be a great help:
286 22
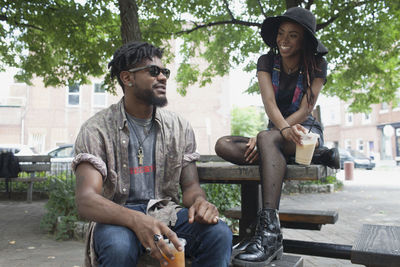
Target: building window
396 105
99 95
349 118
73 95
384 107
371 149
360 145
37 141
347 144
366 118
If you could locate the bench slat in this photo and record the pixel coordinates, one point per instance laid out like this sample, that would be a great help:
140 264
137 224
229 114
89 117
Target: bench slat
225 172
25 180
36 158
295 216
377 245
35 167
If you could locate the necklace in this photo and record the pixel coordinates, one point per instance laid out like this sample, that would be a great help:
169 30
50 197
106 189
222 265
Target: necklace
290 70
140 154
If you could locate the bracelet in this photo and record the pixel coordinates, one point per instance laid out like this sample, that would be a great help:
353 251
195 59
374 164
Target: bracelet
284 128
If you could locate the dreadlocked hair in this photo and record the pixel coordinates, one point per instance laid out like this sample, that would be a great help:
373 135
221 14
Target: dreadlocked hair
311 63
129 56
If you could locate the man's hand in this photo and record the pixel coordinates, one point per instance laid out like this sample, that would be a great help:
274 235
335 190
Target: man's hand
203 211
145 227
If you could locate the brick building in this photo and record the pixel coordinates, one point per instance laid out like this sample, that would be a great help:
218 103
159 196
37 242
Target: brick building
375 134
46 117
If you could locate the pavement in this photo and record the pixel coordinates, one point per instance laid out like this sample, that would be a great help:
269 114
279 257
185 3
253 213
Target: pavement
372 197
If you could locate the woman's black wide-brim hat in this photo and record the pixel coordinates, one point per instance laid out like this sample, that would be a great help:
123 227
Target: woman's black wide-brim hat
304 17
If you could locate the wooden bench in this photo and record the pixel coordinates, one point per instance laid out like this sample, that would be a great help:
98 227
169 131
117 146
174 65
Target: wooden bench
377 245
297 219
31 165
213 169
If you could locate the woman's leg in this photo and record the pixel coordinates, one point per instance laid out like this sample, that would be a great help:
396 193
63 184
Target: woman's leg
272 149
232 149
266 244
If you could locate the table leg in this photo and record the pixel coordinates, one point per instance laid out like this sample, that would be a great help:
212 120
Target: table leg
249 207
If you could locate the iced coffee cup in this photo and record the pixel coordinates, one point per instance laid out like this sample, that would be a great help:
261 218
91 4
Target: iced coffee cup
179 256
305 152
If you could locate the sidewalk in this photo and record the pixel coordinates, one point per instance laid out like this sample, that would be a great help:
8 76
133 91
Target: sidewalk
372 197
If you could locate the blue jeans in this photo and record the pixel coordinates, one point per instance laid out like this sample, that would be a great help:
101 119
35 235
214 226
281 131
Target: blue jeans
207 245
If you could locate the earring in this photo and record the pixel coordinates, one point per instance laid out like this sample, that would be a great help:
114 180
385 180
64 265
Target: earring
130 84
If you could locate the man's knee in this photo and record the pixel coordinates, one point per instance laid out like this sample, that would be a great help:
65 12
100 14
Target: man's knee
116 245
221 234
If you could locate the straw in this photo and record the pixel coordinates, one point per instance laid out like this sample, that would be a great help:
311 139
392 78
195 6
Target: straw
312 124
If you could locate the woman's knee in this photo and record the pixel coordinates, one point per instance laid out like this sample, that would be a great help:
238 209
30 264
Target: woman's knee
268 137
222 145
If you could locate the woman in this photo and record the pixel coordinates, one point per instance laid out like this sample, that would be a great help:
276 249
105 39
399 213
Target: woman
290 78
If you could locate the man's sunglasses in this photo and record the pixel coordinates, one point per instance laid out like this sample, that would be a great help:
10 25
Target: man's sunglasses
153 70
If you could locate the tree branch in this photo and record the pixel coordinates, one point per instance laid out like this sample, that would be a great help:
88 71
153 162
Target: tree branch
309 4
261 8
351 6
292 3
22 25
224 22
229 11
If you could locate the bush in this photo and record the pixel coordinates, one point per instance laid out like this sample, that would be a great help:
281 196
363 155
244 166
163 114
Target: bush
328 180
61 209
224 196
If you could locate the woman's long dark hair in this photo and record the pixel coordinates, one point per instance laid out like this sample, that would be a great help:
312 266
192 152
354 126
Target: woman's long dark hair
310 62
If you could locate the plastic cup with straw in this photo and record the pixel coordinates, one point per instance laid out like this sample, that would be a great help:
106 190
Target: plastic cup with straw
305 151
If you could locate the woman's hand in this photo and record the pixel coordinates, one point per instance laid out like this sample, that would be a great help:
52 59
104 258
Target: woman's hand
293 133
251 154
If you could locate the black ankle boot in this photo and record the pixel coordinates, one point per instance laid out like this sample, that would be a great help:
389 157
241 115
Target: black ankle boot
327 157
266 244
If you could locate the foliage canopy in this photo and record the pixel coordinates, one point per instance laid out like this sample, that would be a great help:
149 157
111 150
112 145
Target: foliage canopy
67 41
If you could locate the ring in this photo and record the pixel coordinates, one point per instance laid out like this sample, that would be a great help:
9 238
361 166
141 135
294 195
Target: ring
148 251
157 237
255 148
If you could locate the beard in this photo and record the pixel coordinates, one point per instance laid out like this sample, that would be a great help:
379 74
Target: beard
159 101
151 98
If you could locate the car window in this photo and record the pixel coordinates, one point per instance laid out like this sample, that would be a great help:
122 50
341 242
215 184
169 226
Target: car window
65 152
344 153
62 152
358 154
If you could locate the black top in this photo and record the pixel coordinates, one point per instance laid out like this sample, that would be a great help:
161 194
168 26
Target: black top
287 82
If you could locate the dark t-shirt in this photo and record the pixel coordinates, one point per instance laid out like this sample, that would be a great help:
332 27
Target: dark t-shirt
287 82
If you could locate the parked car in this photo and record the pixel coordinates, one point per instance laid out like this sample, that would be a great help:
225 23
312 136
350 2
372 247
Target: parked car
61 158
362 161
358 158
345 156
62 151
17 149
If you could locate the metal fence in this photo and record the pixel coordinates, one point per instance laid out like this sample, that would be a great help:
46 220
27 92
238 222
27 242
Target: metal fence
61 167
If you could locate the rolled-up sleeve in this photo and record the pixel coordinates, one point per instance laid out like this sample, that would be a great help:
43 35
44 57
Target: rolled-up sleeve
89 148
190 154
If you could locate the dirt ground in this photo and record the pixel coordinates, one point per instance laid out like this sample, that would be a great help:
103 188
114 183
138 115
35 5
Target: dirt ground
23 244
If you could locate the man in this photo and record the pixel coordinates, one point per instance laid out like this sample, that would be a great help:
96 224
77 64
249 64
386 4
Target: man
130 160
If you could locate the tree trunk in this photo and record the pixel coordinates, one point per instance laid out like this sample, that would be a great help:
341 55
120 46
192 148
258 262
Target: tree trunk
292 3
130 29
